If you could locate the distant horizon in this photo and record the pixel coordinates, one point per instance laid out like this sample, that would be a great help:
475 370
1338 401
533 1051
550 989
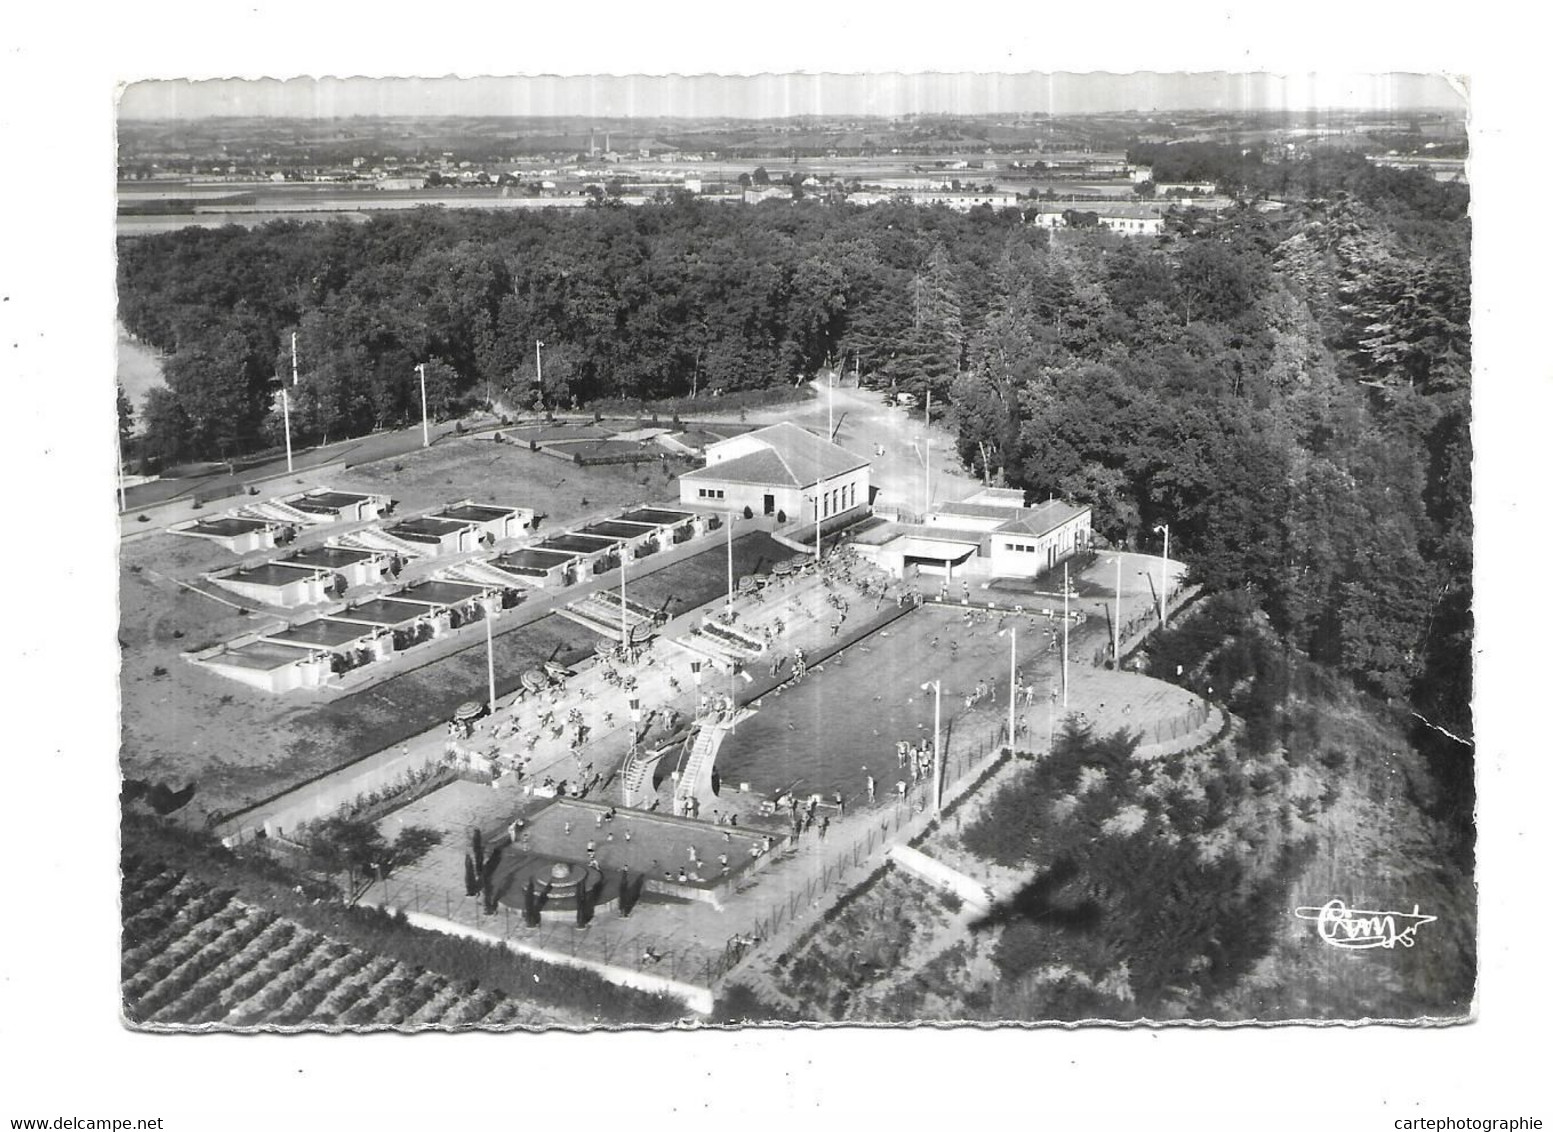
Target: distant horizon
778 97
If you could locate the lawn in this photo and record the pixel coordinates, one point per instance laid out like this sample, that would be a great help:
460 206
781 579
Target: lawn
702 577
181 722
511 474
395 710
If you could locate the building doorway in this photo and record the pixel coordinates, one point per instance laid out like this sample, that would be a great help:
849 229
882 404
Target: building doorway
770 505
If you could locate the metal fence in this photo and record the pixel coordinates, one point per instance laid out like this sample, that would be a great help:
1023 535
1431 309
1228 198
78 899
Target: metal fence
618 941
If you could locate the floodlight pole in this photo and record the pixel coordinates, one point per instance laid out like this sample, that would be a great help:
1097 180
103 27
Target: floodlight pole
285 400
729 607
285 408
1064 635
1013 685
830 411
1164 575
425 419
625 635
1116 622
816 524
118 443
938 747
927 456
539 372
490 660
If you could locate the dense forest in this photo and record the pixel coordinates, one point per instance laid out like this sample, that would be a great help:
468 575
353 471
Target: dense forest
1288 390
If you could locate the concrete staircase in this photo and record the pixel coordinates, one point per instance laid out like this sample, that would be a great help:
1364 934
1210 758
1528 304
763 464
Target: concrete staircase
373 538
274 511
703 753
597 612
481 574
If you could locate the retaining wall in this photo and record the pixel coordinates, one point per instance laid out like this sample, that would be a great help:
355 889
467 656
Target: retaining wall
697 998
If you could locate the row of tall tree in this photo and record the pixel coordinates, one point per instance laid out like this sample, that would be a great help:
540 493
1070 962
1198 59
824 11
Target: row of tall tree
673 300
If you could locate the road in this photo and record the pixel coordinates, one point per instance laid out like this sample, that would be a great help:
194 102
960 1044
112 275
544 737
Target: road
865 425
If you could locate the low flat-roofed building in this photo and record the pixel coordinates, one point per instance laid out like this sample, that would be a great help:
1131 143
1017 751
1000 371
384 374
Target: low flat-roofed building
239 535
438 536
439 594
1040 538
271 667
339 506
545 568
382 611
357 567
326 634
988 534
781 469
500 523
278 583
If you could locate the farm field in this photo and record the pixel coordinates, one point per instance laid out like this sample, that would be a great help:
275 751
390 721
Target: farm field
193 955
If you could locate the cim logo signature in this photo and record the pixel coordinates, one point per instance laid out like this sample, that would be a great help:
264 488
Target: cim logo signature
1345 927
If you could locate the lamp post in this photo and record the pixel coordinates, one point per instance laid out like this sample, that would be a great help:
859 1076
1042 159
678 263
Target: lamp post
1116 622
695 672
1064 636
1164 573
636 714
625 633
1013 684
830 410
938 752
927 456
816 524
118 441
539 373
425 419
729 606
285 399
490 660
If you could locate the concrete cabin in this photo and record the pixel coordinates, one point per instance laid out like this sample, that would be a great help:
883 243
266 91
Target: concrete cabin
238 535
280 583
357 567
497 522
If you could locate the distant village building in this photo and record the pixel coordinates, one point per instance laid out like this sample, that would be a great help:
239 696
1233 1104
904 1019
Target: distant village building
769 192
1124 219
780 469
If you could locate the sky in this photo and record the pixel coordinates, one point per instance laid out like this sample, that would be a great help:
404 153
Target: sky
887 94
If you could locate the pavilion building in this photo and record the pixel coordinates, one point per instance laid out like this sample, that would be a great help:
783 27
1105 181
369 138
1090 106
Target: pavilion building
781 470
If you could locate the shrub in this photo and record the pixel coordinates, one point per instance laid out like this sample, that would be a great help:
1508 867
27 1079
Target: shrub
781 516
748 514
